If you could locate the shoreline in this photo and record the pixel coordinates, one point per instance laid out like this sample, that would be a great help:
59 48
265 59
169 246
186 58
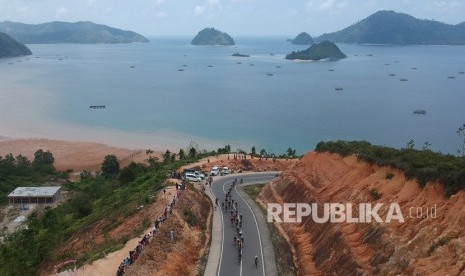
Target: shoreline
72 155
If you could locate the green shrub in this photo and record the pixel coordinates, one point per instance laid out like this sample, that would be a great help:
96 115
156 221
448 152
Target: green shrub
389 175
375 194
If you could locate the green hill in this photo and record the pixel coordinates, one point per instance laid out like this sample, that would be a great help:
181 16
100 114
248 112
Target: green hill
211 36
302 39
12 48
65 32
389 27
318 51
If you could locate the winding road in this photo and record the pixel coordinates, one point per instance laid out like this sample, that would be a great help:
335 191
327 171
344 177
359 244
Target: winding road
229 261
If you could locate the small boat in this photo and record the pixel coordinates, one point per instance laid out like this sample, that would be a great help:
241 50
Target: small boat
392 75
387 64
238 62
180 70
269 74
97 106
338 88
239 55
271 54
331 70
403 79
210 65
369 55
451 77
252 64
414 68
132 66
278 66
419 112
184 65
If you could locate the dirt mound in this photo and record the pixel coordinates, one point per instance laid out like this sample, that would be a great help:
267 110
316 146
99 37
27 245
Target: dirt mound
427 243
182 256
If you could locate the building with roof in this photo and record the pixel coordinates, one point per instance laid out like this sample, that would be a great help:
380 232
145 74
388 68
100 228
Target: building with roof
34 195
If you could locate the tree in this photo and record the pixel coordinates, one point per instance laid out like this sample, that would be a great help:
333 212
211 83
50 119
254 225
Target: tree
110 166
410 145
192 152
181 154
166 156
173 157
43 161
253 151
262 152
426 145
461 133
149 151
127 175
290 152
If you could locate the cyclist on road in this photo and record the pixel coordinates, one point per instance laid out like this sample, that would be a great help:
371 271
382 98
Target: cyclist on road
256 261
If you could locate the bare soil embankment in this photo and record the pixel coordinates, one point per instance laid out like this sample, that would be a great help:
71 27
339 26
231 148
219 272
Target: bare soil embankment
422 245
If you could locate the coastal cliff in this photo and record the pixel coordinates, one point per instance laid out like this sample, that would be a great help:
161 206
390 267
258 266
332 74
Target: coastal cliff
430 243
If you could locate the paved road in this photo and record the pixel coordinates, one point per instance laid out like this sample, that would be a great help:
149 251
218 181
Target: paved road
229 261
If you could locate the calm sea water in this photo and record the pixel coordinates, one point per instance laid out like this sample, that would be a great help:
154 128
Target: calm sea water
215 100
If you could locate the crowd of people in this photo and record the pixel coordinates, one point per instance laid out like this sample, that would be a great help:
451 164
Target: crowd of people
144 242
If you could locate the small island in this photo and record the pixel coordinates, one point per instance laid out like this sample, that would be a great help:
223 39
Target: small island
239 55
12 48
302 39
318 51
211 36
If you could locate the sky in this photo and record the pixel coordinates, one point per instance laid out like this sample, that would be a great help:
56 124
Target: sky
236 17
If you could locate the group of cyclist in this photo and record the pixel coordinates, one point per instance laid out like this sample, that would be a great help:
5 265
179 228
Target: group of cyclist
231 205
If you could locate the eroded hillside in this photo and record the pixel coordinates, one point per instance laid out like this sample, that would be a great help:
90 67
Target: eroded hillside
422 245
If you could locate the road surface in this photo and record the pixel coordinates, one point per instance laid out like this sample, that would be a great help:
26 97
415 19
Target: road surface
229 260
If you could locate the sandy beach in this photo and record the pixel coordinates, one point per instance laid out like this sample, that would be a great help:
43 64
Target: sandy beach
74 155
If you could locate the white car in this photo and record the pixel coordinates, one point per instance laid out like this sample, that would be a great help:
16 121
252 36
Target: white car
199 174
215 170
193 178
225 170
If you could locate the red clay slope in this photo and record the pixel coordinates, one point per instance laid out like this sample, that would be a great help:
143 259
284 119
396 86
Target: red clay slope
420 246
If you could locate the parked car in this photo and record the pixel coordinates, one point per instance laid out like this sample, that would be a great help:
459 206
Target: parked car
199 174
225 171
215 171
192 177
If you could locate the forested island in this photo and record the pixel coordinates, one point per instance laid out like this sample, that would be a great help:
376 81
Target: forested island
389 27
12 48
84 32
318 51
211 36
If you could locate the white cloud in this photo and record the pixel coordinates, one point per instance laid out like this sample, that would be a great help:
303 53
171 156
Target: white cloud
199 10
160 14
158 2
331 6
62 11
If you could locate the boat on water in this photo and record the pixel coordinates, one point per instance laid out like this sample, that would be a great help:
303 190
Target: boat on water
97 106
338 88
240 55
180 70
403 79
269 74
392 75
419 112
451 77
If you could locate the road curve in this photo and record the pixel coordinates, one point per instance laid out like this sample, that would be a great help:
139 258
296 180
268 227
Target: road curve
229 262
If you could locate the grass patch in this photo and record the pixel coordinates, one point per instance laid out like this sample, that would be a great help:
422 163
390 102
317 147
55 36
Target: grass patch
253 190
190 217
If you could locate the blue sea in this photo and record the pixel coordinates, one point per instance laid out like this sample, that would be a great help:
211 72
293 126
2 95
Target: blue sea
168 93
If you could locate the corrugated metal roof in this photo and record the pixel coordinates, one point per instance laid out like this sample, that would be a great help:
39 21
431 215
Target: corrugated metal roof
35 191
